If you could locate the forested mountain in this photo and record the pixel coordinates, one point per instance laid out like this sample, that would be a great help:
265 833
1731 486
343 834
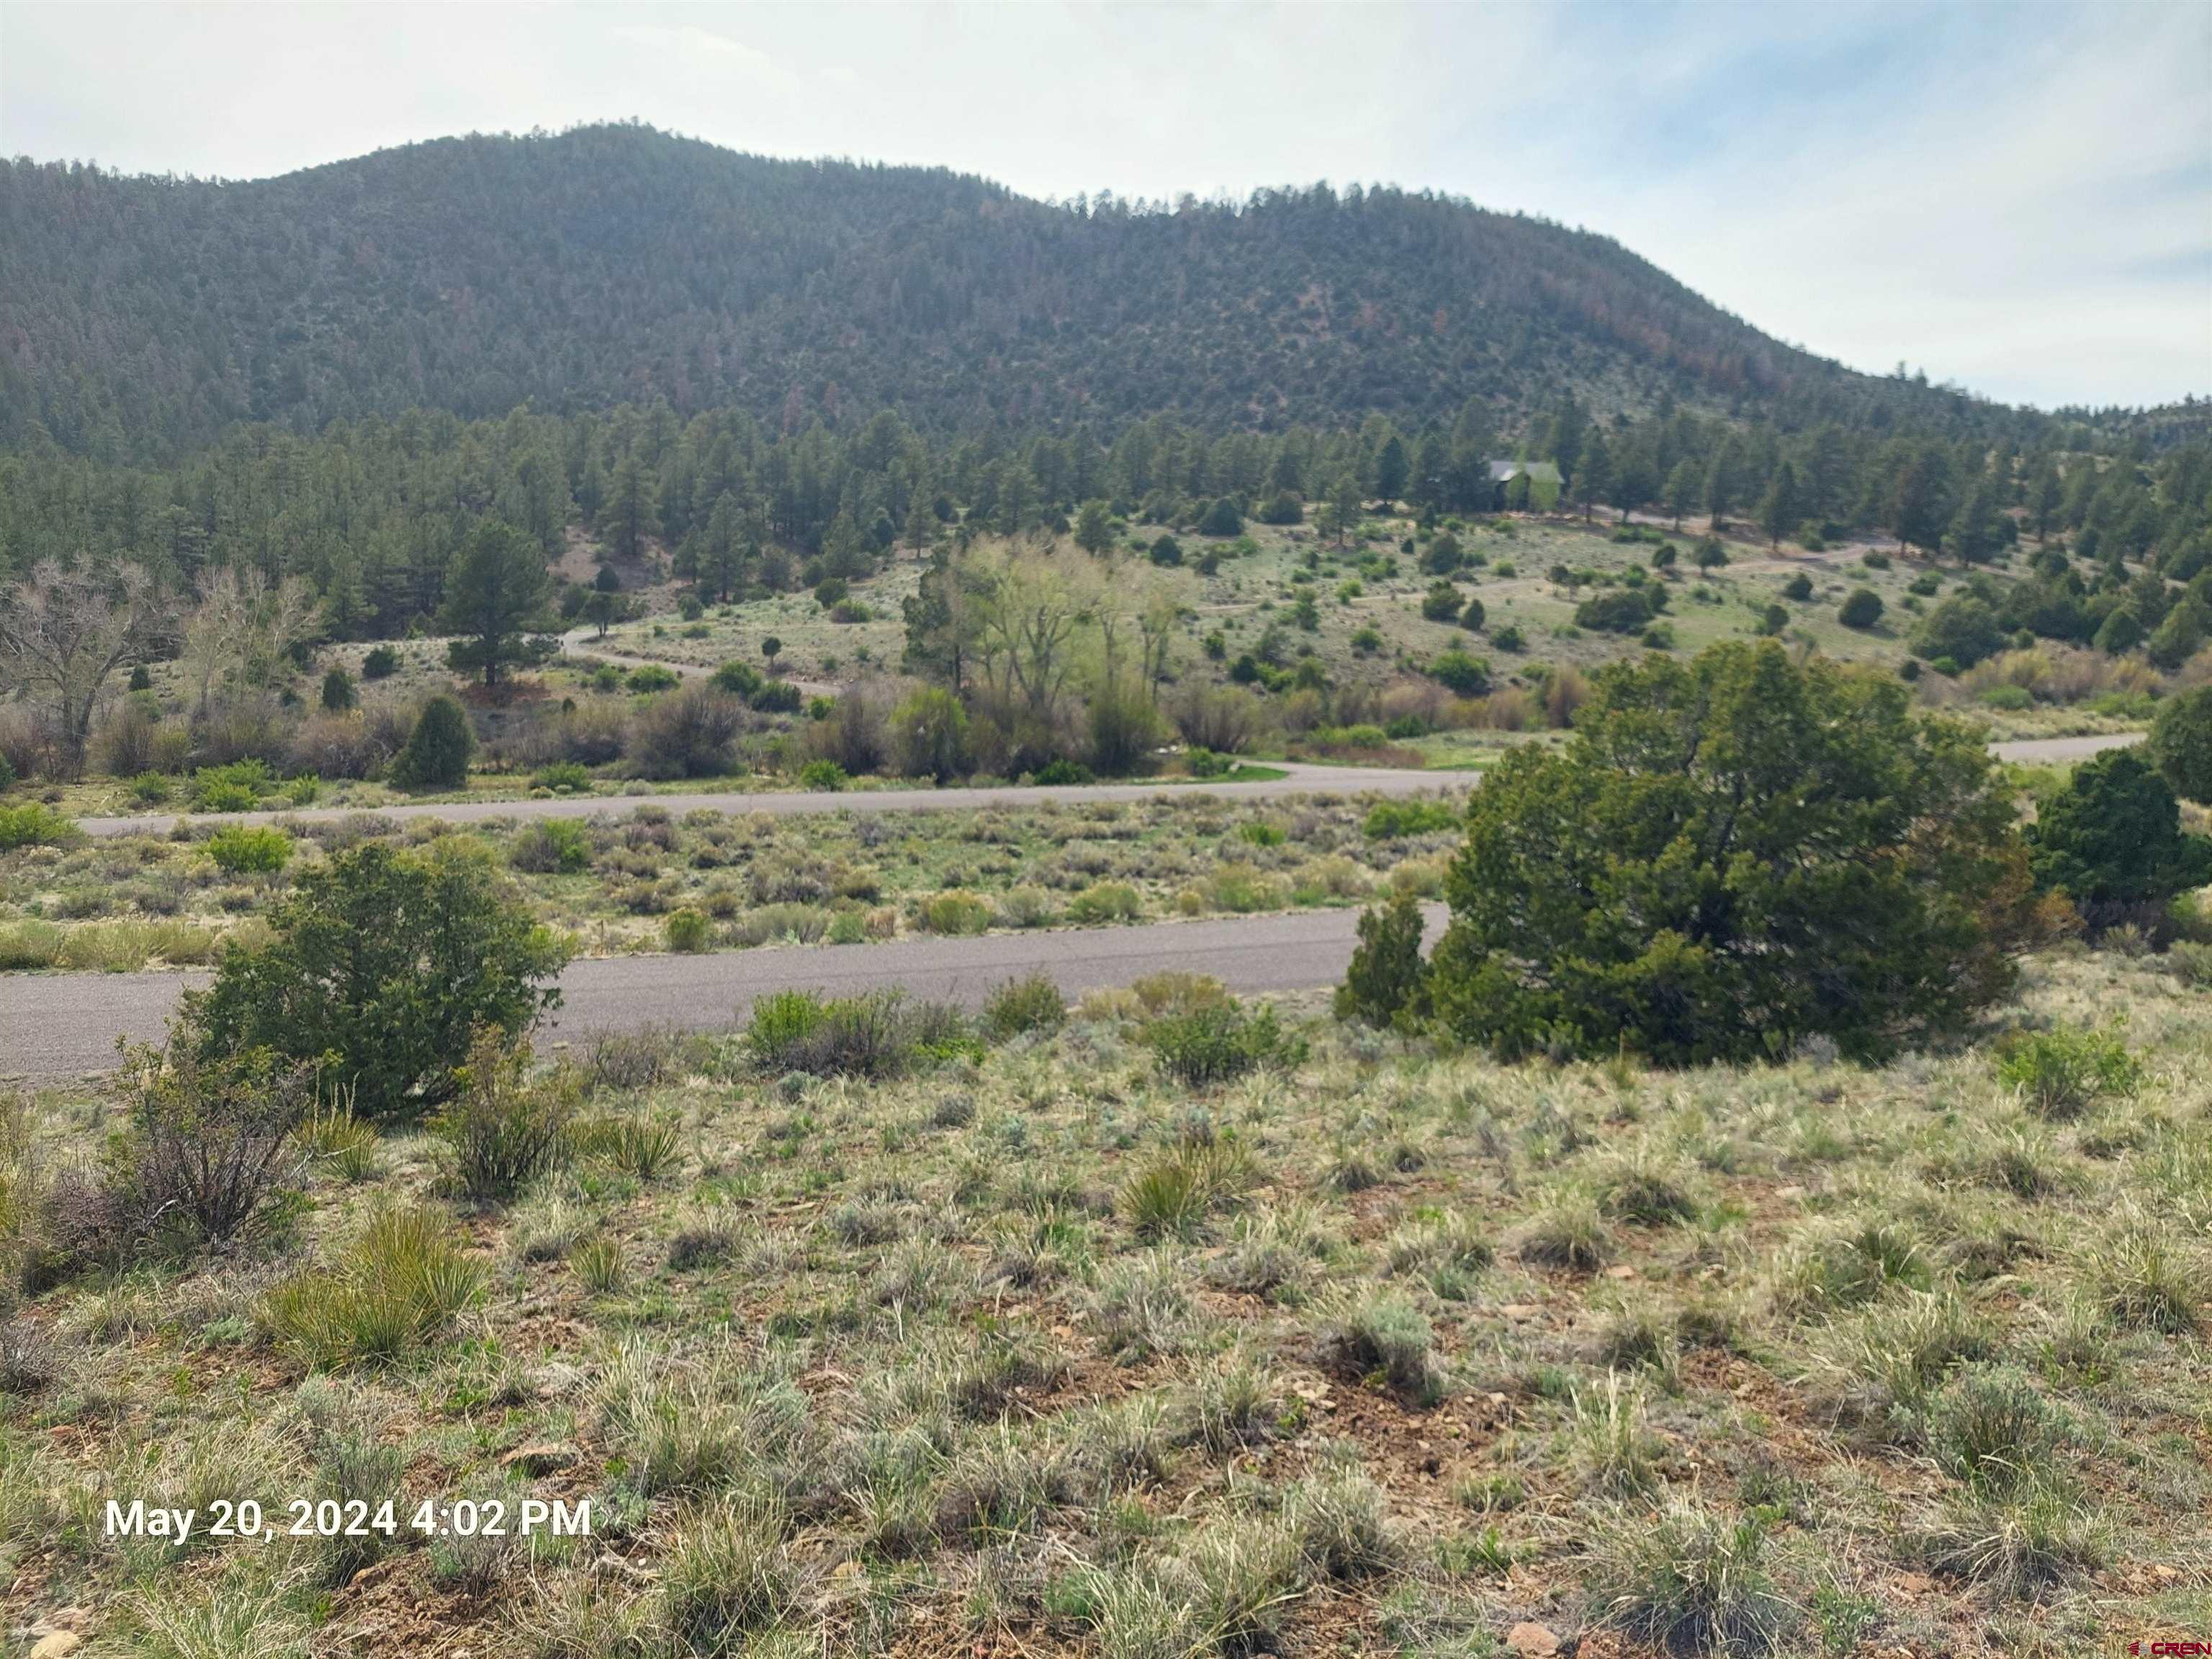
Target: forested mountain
140 317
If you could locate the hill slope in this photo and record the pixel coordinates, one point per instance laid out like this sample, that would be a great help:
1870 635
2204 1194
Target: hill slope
139 316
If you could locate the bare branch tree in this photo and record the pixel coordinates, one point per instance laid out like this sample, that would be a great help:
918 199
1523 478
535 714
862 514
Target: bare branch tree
241 631
63 634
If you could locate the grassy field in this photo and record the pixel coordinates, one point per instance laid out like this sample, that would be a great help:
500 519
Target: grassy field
1041 1347
841 876
1367 624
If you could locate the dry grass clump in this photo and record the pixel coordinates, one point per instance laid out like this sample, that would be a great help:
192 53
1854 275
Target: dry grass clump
1020 1342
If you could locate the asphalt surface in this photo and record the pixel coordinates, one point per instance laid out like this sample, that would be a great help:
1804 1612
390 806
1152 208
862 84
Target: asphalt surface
55 1027
1302 780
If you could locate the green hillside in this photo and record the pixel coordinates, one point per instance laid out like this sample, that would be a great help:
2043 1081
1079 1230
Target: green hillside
139 317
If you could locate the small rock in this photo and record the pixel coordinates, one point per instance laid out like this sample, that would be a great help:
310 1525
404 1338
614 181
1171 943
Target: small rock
542 1458
55 1645
1622 1271
374 1571
1532 1641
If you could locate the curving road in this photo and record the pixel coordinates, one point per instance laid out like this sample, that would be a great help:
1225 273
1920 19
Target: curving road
1303 779
55 1027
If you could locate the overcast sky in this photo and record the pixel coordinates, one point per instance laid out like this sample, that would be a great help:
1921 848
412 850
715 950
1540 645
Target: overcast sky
2017 198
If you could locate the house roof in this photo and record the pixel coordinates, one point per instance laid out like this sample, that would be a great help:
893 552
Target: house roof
1538 472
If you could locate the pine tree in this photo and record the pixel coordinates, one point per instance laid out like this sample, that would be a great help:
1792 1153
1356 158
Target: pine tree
494 593
1094 528
1392 469
1778 510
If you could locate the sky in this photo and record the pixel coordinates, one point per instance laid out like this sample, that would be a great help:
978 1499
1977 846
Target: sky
2014 198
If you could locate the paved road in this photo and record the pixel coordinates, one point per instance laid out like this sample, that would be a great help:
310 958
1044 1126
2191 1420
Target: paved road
2064 749
1302 780
54 1027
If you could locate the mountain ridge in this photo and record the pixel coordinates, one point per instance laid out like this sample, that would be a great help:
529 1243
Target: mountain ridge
141 315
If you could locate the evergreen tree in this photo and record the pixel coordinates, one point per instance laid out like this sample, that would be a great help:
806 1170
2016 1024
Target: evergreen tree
1094 528
495 590
629 515
1778 509
1392 469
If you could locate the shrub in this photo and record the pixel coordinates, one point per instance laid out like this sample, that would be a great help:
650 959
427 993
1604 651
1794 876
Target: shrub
1622 611
1441 603
2113 837
1022 1005
2060 1074
1962 630
386 963
1386 979
1166 551
799 1032
775 697
1393 820
930 737
437 751
243 849
688 733
339 694
562 777
235 787
649 677
503 1127
1798 588
1861 608
551 846
1990 1427
33 825
687 931
1104 901
2181 744
737 678
1582 891
825 775
381 663
1458 671
1220 1042
207 1143
397 1290
955 913
1061 773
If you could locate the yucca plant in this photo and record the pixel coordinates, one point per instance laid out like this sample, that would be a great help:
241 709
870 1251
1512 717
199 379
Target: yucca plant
398 1289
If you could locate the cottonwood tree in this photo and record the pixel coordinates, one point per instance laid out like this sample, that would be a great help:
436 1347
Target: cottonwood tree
241 634
1030 620
63 634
